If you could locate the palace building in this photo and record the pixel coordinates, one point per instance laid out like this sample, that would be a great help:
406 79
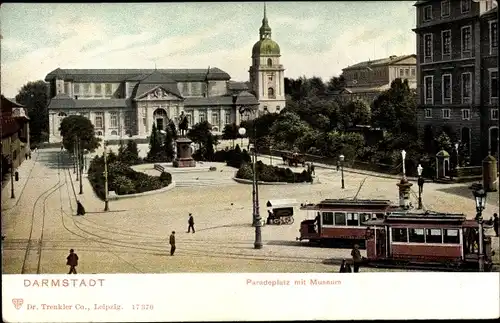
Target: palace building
126 102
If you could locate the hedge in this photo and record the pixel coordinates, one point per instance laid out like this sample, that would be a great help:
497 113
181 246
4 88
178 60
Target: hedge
122 179
268 173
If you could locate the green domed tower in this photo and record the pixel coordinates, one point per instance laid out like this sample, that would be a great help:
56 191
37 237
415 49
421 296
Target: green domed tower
266 73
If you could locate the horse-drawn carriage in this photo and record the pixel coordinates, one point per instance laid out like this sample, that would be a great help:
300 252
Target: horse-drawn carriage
294 159
280 211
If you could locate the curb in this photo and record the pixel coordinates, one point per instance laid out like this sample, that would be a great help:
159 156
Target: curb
113 196
247 181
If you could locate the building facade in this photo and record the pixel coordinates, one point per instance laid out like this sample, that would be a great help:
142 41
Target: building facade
366 80
267 75
457 73
126 102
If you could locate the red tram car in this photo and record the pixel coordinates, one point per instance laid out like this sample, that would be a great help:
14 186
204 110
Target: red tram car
429 239
342 220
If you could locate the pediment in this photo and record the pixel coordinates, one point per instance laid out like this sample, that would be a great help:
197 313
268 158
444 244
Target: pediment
158 93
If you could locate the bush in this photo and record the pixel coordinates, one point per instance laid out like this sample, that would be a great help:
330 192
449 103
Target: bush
267 173
122 178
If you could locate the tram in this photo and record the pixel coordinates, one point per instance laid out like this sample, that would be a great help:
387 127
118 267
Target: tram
441 240
342 220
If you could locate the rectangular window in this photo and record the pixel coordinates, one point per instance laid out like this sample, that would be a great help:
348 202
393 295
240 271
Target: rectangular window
451 236
407 72
466 87
185 88
108 89
466 39
67 87
416 235
446 88
494 114
399 235
429 89
99 120
202 116
145 123
427 13
196 89
493 36
363 217
98 89
87 89
352 219
127 121
215 119
327 218
433 236
465 114
428 113
446 42
76 88
428 47
493 86
401 72
445 8
340 218
227 115
446 113
270 77
465 5
190 119
113 119
412 72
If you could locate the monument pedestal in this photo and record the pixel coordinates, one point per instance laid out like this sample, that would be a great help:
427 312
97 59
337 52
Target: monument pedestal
404 193
184 152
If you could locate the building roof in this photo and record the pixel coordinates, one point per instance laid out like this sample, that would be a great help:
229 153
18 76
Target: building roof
244 98
69 103
237 86
379 62
142 88
122 75
421 2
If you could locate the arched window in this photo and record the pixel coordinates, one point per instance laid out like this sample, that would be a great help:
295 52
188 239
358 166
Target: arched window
269 62
465 139
493 141
270 93
114 133
160 117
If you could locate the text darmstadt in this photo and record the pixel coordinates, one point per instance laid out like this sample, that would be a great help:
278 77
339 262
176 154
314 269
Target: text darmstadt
66 282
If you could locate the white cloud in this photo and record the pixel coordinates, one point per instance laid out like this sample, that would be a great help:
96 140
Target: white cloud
13 44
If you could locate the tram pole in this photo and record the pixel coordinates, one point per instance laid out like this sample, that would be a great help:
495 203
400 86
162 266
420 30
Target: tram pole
106 203
258 220
481 244
12 195
341 157
77 159
80 158
480 197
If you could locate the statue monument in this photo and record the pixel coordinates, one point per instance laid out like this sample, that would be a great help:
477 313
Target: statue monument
183 152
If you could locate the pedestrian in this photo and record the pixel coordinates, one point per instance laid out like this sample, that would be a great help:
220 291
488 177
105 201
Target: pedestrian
356 258
190 223
72 261
25 156
172 243
29 155
338 165
80 210
312 169
495 224
347 268
343 268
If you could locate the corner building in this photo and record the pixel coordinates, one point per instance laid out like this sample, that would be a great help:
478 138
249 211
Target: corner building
457 73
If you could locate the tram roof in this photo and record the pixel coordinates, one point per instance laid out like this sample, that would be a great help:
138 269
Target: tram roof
424 217
349 202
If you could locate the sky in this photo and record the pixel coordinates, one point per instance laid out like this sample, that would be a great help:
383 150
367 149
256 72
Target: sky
316 38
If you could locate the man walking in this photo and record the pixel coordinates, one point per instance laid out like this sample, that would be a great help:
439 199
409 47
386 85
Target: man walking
190 223
172 243
72 261
356 258
495 223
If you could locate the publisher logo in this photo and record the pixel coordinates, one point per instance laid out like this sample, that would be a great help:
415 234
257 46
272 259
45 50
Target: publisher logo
18 302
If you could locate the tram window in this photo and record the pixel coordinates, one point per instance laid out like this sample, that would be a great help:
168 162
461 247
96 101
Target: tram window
433 236
379 215
327 218
352 219
399 235
416 235
340 218
363 217
451 236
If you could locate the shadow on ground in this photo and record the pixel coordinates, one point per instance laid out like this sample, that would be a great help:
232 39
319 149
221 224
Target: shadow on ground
55 159
465 191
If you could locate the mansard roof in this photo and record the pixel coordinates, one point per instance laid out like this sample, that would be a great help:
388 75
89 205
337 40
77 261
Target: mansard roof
122 75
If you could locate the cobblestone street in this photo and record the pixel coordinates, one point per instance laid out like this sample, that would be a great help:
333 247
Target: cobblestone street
133 236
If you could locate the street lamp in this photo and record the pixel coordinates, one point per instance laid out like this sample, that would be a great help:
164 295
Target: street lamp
12 195
403 154
106 202
341 158
80 164
480 197
242 131
255 187
457 164
420 185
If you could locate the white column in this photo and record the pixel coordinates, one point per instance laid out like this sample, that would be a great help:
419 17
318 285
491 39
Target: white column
209 115
196 116
221 120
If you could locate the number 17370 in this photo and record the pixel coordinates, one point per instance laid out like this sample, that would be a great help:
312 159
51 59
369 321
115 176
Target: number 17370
142 307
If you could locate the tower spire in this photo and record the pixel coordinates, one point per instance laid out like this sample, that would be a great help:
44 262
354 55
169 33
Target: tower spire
265 30
265 16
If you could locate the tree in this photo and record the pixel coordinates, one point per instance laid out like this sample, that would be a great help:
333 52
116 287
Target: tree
168 142
336 84
354 113
155 145
200 132
288 128
129 153
34 96
230 132
444 142
78 127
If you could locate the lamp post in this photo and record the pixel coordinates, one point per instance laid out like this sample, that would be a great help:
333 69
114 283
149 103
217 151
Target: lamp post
77 159
242 131
341 158
12 195
420 185
403 154
457 164
480 197
106 206
271 155
255 188
80 160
